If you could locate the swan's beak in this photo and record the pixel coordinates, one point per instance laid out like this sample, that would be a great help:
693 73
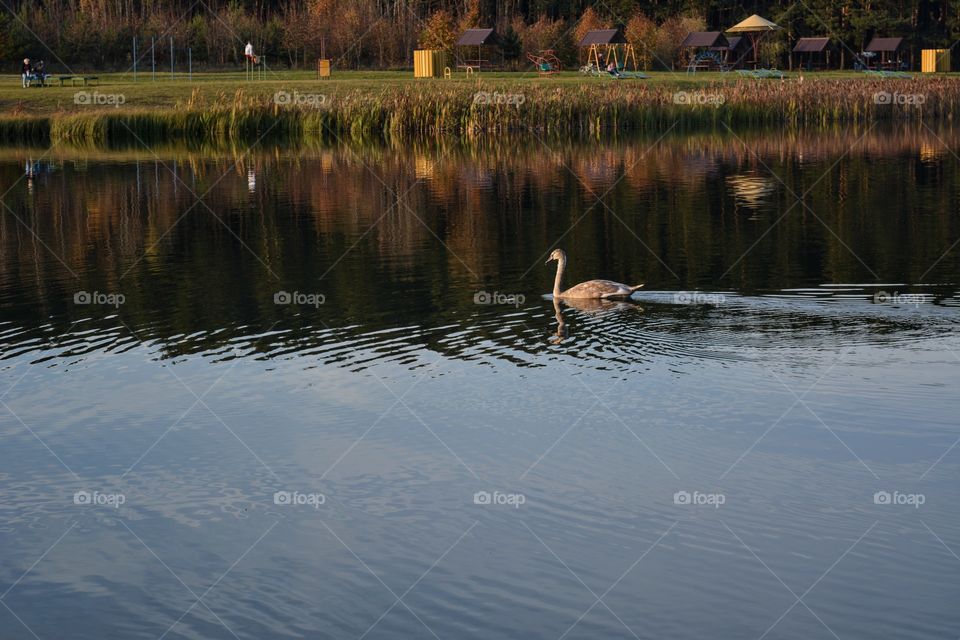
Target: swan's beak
549 260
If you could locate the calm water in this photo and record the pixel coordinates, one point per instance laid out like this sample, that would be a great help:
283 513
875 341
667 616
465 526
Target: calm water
302 375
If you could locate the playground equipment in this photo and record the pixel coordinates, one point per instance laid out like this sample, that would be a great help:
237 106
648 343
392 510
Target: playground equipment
606 45
255 68
546 62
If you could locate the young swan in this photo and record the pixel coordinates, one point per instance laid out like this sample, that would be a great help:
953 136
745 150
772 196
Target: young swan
606 289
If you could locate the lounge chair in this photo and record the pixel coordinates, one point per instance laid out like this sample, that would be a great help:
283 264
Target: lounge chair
759 74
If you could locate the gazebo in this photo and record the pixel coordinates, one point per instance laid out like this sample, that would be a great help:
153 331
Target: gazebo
754 28
816 50
611 40
478 38
889 50
708 48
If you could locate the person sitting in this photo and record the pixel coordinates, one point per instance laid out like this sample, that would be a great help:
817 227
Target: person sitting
25 73
39 72
612 69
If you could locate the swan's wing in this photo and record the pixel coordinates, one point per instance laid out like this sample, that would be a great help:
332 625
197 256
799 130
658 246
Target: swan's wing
597 289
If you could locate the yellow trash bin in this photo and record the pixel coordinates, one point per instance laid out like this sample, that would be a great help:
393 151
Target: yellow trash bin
934 60
429 63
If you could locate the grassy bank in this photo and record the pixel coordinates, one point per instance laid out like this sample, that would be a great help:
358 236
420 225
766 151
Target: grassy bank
360 107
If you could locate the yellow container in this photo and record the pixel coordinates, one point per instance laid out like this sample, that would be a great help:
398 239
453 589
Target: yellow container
429 63
934 60
323 68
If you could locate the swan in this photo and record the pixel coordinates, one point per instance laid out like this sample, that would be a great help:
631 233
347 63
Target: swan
606 289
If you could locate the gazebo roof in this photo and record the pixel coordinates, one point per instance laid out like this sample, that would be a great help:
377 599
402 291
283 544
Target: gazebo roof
705 39
752 24
477 37
884 45
811 45
602 36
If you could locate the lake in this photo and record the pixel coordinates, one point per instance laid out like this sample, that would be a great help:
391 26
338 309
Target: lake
324 392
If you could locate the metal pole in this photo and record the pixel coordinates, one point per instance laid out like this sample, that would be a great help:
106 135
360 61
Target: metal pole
171 57
153 59
134 58
190 62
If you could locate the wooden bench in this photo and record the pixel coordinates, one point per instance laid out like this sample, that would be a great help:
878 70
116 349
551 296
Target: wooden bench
73 79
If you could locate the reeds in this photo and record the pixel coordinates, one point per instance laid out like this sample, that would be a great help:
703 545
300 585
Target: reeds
454 110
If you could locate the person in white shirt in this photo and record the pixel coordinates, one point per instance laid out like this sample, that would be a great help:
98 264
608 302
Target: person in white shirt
248 52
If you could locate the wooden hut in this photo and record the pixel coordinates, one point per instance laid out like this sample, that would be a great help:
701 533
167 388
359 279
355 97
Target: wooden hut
812 53
476 39
889 51
707 50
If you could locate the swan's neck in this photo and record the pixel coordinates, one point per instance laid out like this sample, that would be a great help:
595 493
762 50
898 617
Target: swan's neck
561 266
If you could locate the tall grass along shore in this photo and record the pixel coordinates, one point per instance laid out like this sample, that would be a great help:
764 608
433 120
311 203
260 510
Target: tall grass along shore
313 112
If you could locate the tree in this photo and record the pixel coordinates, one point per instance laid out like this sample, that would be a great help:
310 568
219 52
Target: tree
438 32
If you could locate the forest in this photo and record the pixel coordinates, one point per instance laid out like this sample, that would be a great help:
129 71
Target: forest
381 34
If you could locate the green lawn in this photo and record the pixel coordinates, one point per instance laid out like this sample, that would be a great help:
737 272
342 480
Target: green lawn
166 92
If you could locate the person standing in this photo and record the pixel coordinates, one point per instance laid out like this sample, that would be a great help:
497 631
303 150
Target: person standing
25 73
248 52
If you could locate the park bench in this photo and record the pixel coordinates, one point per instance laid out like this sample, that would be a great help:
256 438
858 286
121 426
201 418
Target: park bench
73 79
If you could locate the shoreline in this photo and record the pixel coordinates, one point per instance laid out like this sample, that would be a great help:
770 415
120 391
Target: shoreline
358 111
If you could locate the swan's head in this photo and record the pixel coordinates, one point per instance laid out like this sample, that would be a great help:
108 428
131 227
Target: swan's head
556 254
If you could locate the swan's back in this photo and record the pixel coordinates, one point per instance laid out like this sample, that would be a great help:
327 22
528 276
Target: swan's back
599 289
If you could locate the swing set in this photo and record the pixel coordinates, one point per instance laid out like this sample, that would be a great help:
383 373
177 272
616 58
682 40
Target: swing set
605 46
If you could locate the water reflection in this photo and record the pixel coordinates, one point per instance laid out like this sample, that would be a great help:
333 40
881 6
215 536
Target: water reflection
199 246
